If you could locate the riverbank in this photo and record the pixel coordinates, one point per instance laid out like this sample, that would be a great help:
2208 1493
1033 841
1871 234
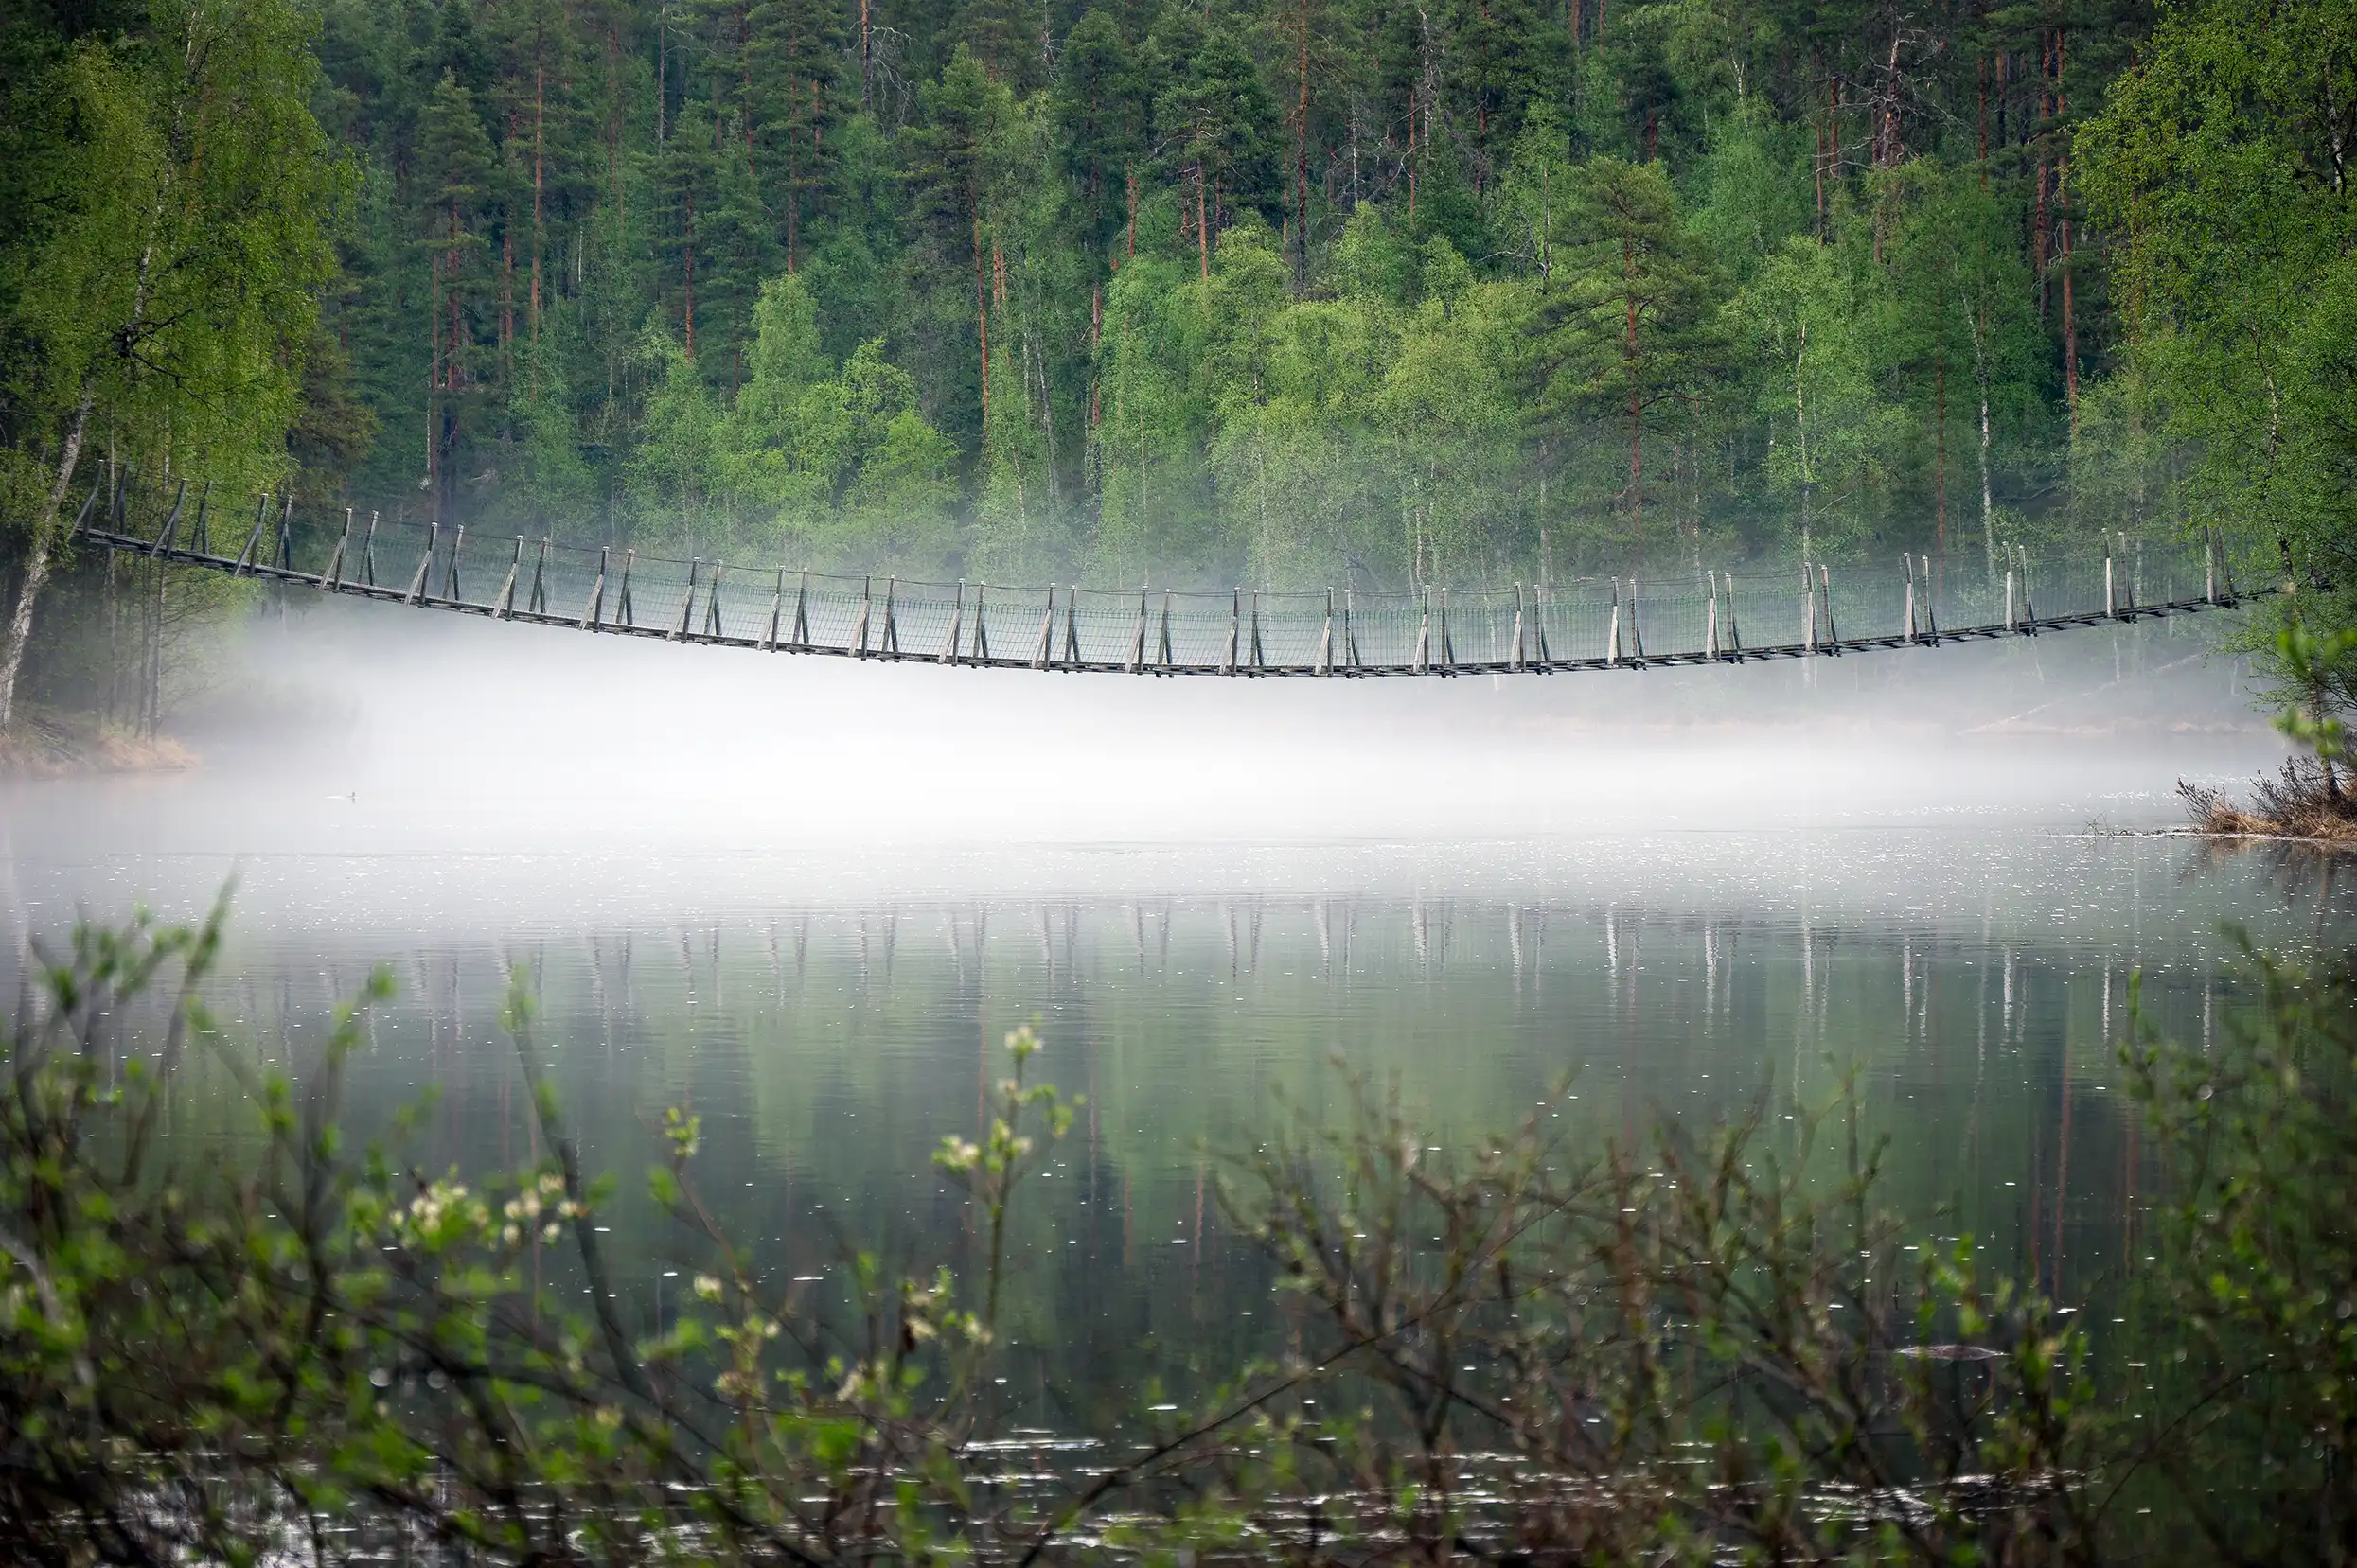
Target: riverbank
48 743
2301 801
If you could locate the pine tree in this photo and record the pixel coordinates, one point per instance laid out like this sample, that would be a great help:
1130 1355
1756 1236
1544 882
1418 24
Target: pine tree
1216 124
951 169
456 187
1100 105
796 48
1008 39
1629 328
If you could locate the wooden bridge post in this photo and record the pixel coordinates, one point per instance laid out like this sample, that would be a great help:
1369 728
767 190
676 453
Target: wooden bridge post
2009 588
713 624
2030 607
629 613
593 612
1137 639
1907 626
957 628
687 606
1448 649
1832 631
1517 629
1808 608
2225 569
540 579
332 579
982 632
90 505
2111 602
1612 635
1350 628
1259 660
368 552
2210 563
253 540
171 525
777 608
867 601
1423 632
1931 604
1735 625
1162 639
1711 624
425 562
1047 632
802 611
889 645
201 537
1636 630
450 580
1071 628
1235 614
285 561
1325 638
506 595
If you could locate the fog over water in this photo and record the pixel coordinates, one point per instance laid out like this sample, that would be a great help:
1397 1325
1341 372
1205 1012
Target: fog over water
361 729
807 897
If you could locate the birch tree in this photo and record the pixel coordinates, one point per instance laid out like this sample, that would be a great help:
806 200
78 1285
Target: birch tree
164 287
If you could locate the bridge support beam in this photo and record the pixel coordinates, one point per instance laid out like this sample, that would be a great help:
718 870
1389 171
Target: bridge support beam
331 580
425 564
593 612
253 540
163 540
505 598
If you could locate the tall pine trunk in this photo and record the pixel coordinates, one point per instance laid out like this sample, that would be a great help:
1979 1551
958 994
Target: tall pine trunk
540 116
1979 320
1300 152
1637 401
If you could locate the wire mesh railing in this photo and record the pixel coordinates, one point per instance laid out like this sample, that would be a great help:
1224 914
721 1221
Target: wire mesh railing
1805 609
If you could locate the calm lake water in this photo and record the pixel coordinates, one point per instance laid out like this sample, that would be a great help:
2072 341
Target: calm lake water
832 1016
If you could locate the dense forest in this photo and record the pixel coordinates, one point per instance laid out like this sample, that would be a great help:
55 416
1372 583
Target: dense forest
1270 289
1312 291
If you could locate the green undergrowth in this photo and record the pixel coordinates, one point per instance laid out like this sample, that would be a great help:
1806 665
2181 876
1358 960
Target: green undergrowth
1691 1345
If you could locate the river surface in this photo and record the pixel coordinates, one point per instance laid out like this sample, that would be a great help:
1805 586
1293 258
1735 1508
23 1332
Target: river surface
1923 910
831 1022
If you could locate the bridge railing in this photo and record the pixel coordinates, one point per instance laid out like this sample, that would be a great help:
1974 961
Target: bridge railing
1693 615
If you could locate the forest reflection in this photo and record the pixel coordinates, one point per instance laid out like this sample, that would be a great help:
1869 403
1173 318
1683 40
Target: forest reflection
1974 987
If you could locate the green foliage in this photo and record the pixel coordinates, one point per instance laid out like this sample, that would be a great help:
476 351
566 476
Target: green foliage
1298 291
1690 1345
2261 1256
167 216
1303 291
812 459
2219 158
1817 319
1628 335
2322 674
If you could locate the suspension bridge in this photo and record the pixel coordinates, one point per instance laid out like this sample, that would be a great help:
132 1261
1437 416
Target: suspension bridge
1699 617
